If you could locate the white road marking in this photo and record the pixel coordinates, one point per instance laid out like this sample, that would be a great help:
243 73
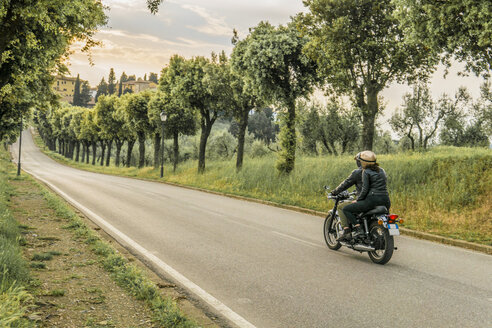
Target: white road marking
297 239
212 301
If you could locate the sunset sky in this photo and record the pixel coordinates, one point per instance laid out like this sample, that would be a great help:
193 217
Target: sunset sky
138 42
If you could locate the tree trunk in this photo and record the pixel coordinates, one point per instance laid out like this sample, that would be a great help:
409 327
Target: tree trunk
129 152
243 124
103 150
94 150
203 146
83 151
77 151
60 146
157 149
141 150
176 150
286 161
118 152
368 119
108 157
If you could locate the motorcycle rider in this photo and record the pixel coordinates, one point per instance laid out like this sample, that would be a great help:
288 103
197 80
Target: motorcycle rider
374 191
355 178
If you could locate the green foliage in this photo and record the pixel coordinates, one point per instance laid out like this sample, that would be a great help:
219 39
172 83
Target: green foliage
420 116
76 92
111 82
14 273
275 69
360 48
102 89
15 305
459 28
33 46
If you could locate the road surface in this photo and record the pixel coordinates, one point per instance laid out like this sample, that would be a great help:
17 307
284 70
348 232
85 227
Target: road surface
268 267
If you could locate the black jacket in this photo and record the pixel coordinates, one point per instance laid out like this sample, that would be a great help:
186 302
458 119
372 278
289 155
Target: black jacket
373 184
355 178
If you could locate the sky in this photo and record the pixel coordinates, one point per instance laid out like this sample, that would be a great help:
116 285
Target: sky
137 42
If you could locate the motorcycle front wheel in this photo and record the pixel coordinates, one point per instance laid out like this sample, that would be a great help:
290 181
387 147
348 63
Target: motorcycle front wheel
383 242
332 230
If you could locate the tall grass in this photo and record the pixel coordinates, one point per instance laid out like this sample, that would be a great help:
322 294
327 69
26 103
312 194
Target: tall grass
446 190
14 300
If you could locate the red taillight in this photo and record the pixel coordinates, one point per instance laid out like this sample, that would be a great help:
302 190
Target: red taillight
392 218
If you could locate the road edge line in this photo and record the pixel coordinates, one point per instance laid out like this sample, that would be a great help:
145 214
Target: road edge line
188 284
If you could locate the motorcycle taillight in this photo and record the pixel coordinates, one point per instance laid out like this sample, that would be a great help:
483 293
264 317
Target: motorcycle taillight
392 218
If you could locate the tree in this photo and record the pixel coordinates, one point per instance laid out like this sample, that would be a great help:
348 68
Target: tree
271 60
123 78
76 92
32 44
309 128
125 131
102 89
132 78
111 82
153 78
420 116
456 27
262 125
360 48
180 116
85 94
244 101
470 126
205 89
106 120
137 116
89 134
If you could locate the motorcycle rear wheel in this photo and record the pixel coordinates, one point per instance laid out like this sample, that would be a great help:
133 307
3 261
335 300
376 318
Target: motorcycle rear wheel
331 231
383 241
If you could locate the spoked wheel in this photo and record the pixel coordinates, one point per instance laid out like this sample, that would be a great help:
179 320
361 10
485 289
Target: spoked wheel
332 230
383 243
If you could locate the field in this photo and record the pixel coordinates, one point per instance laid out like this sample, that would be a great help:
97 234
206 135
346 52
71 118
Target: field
445 191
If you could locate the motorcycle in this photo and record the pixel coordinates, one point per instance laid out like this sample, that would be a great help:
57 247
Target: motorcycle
379 229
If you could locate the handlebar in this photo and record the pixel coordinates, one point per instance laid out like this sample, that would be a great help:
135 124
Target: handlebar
343 195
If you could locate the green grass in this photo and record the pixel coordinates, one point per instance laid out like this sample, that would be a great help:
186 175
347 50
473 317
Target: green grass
445 191
56 292
14 273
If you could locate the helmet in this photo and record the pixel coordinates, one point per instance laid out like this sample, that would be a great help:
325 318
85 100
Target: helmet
367 157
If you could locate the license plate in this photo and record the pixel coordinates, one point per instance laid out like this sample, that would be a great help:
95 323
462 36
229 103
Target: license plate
393 230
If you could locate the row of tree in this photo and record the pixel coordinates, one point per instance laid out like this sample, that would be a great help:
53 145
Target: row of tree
354 48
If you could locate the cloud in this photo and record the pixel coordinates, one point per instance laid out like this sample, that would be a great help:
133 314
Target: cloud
213 26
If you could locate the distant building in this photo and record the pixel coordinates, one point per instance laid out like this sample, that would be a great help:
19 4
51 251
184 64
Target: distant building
139 85
65 87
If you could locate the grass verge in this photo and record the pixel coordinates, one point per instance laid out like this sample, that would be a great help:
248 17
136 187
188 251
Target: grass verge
15 301
446 191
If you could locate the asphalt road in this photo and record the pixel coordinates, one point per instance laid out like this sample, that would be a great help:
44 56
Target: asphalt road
271 266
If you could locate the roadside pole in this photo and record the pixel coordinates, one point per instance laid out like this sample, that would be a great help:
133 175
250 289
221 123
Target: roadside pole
20 147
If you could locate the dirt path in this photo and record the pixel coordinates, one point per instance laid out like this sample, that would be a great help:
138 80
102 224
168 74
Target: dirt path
71 287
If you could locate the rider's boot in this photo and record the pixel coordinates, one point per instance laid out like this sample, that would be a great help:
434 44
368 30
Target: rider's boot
358 231
345 235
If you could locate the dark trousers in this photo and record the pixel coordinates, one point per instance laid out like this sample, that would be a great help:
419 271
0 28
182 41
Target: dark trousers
351 211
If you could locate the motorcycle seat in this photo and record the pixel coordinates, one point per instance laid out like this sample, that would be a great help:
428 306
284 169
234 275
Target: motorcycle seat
377 210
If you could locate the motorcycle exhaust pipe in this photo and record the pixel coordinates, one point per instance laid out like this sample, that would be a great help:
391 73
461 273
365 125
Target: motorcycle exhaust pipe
365 248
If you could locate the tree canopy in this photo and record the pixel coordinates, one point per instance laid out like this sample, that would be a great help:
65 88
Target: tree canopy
272 62
360 48
34 44
459 28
